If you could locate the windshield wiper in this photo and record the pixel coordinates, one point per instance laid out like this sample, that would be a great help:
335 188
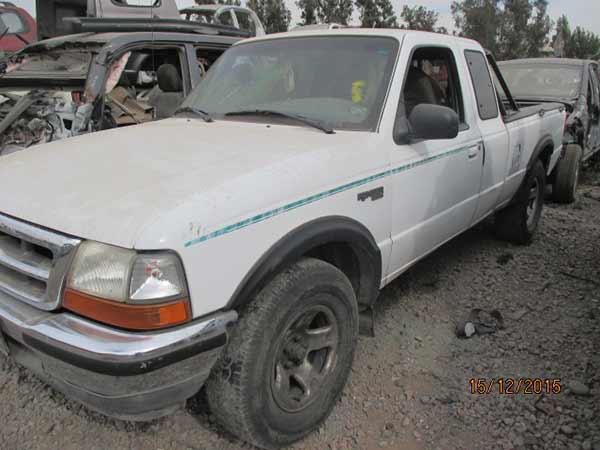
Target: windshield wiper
197 112
319 125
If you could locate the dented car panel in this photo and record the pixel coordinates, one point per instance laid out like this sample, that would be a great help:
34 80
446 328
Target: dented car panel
72 85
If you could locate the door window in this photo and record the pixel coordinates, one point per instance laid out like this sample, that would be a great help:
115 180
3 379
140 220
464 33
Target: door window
482 83
433 79
145 84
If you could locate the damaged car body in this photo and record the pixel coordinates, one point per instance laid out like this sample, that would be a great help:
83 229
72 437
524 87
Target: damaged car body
78 84
576 84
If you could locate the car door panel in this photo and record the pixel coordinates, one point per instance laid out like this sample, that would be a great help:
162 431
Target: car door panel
435 186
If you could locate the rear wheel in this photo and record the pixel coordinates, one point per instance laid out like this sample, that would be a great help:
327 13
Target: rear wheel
288 358
564 189
518 222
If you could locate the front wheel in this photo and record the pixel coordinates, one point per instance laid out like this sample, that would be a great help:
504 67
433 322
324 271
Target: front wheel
518 222
288 357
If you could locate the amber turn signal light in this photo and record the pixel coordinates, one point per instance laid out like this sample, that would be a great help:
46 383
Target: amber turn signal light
128 316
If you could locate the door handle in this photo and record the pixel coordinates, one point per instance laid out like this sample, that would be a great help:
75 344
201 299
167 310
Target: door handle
473 151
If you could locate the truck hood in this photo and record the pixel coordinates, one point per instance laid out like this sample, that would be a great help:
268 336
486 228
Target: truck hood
110 186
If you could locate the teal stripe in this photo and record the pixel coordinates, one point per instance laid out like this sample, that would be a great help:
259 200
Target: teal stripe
313 198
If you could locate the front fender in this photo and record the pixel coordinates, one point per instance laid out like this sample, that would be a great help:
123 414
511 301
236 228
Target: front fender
307 237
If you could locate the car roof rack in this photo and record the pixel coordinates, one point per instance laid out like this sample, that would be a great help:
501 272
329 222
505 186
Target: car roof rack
120 25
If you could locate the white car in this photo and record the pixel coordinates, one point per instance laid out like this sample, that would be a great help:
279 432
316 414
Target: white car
237 244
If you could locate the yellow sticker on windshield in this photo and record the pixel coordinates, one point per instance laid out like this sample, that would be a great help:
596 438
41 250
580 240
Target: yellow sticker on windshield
357 91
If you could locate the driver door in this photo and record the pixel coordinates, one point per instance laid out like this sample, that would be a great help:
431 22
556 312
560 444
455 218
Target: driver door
435 183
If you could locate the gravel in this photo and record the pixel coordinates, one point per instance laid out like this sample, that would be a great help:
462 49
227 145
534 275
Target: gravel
410 385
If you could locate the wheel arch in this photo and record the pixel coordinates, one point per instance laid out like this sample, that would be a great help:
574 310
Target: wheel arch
543 151
340 241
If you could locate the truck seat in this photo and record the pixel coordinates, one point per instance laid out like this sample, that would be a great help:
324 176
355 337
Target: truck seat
167 96
421 88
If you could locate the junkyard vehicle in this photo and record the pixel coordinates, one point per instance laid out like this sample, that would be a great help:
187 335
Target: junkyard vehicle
576 84
229 15
239 242
76 84
17 28
54 15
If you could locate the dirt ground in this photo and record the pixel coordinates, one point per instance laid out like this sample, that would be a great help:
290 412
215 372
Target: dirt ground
410 386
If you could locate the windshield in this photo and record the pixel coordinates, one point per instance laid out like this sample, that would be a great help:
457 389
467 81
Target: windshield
70 63
13 22
543 80
340 81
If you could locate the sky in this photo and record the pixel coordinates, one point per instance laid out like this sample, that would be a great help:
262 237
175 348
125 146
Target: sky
585 13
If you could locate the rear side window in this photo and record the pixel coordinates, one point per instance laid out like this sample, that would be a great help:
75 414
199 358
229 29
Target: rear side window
482 82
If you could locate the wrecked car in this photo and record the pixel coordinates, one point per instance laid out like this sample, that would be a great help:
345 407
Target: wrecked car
78 84
230 15
243 245
576 84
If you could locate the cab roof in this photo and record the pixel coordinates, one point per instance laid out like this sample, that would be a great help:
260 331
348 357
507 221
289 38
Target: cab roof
381 32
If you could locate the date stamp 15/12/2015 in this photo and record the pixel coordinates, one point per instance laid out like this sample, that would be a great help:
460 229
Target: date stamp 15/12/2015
515 386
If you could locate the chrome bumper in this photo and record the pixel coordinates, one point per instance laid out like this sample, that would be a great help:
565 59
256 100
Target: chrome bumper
119 373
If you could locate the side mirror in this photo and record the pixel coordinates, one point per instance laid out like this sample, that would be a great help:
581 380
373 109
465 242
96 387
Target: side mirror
429 122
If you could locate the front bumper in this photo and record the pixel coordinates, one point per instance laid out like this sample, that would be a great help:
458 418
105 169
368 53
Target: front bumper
132 376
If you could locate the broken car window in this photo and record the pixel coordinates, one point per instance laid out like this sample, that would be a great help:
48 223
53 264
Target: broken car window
340 81
143 85
70 62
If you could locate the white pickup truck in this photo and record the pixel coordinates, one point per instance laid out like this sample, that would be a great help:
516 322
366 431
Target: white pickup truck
238 244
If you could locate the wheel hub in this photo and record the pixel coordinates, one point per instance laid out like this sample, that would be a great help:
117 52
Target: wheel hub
305 357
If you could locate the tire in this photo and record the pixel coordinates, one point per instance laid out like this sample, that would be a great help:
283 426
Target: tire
564 189
255 389
518 222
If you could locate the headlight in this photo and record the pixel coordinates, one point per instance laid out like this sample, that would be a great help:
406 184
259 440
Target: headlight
127 289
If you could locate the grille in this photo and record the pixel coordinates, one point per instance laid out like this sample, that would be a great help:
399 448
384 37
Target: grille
33 262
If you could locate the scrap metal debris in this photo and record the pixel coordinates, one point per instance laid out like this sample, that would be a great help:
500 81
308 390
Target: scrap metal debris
40 116
480 322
